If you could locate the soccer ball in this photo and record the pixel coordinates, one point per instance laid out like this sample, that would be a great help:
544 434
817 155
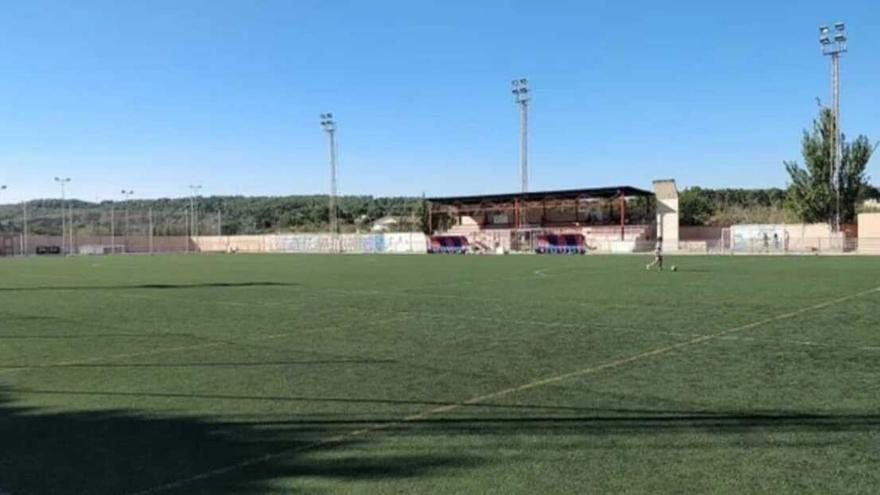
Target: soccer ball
647 267
673 268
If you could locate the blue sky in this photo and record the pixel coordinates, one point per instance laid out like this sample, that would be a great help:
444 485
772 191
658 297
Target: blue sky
155 95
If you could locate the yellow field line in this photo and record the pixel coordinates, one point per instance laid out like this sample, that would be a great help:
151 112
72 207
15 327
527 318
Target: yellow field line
501 393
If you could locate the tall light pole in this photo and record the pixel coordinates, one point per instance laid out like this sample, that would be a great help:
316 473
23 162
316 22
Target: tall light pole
329 126
833 45
127 195
522 95
63 183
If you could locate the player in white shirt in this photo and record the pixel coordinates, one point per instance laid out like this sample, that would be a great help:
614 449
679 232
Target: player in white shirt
658 256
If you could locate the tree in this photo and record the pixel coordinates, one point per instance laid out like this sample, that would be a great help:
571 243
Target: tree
695 206
811 196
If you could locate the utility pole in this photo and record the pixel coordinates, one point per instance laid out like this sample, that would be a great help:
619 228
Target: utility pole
329 126
834 46
127 197
522 95
63 183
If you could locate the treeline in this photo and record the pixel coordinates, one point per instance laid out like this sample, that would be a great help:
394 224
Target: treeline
724 207
700 206
234 214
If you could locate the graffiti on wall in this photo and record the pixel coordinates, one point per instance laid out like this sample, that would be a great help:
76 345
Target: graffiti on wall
343 243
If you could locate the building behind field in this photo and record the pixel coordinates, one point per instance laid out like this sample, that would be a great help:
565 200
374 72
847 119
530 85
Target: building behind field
616 219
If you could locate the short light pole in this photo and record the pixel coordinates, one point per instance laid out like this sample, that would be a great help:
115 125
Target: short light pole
63 183
112 226
522 96
24 228
150 218
127 197
329 126
193 213
833 46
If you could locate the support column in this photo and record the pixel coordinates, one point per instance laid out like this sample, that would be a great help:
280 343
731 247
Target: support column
430 225
622 216
667 213
516 214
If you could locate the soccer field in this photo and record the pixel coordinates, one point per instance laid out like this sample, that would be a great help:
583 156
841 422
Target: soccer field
439 374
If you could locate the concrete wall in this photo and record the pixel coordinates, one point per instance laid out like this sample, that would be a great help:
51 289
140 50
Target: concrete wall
700 233
316 243
869 233
131 244
10 245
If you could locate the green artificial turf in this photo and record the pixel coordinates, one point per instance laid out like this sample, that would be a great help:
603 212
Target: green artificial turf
439 374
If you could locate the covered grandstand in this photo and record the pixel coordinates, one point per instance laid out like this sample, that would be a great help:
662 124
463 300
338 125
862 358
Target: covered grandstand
612 219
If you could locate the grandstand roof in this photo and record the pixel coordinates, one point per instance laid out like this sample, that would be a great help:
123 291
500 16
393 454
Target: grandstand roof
596 192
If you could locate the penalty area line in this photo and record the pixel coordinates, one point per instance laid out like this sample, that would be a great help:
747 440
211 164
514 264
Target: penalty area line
494 395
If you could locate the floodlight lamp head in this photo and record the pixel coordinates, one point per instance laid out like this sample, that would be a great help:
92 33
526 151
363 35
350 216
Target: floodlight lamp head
840 37
823 30
839 26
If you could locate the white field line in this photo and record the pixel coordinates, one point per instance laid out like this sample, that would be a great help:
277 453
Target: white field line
784 341
207 345
500 393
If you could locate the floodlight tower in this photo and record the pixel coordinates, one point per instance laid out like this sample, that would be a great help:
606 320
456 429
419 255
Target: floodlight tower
522 96
127 195
833 45
329 126
63 183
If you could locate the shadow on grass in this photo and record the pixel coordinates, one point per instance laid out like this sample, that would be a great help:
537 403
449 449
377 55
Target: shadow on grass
207 364
119 451
204 285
